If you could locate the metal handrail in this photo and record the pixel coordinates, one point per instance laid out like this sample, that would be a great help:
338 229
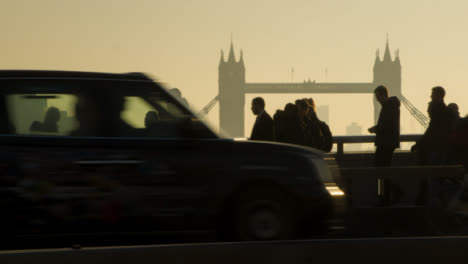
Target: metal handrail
341 140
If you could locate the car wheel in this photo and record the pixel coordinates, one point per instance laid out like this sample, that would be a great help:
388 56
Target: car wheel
265 215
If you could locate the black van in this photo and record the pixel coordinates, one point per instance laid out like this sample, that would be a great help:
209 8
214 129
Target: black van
105 159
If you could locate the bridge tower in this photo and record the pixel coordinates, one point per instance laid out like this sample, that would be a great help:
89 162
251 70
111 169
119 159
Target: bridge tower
387 72
231 83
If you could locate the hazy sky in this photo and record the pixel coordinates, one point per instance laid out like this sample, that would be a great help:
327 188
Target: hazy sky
179 42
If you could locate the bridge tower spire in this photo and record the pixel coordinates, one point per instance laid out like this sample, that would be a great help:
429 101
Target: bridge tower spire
387 72
231 57
231 90
221 60
387 57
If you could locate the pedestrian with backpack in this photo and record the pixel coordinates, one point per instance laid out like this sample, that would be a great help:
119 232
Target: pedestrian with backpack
326 138
316 133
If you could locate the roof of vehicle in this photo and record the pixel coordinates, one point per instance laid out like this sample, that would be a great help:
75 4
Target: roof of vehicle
6 74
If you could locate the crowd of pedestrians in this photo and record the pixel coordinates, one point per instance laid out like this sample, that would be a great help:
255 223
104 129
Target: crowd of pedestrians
297 123
444 142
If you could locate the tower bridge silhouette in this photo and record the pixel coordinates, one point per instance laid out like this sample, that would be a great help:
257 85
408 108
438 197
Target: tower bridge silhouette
233 88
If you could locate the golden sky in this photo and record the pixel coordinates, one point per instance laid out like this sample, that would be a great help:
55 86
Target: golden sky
179 42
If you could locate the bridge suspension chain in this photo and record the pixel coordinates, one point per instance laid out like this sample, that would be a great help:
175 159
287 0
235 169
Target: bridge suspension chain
418 115
208 107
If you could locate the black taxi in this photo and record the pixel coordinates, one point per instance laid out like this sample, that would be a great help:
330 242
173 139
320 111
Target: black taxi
104 159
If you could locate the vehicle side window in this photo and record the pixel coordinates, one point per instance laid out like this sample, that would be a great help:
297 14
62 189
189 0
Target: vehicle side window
157 115
161 119
42 114
138 113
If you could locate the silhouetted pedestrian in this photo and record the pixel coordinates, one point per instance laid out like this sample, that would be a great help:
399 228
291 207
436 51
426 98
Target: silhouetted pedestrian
434 143
387 130
455 118
309 125
325 140
454 113
287 125
461 142
263 127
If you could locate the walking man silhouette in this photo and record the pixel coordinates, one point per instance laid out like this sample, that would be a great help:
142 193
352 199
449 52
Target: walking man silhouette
263 127
387 130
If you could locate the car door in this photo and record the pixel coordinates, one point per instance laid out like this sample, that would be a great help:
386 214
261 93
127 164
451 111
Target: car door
66 179
180 161
85 179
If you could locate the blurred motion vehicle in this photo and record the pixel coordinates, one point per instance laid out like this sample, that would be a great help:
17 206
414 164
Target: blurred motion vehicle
103 158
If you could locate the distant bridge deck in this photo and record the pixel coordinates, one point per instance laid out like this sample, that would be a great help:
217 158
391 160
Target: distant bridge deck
309 87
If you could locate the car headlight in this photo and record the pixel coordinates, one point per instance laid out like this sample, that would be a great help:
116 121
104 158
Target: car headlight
322 169
334 190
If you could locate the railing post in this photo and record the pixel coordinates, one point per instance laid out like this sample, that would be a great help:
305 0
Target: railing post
339 150
341 140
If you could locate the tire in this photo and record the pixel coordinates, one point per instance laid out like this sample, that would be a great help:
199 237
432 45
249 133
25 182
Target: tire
265 214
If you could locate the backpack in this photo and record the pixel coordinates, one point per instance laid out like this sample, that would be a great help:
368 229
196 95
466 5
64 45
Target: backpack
326 138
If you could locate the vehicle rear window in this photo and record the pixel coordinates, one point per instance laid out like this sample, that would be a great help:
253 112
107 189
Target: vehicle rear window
42 114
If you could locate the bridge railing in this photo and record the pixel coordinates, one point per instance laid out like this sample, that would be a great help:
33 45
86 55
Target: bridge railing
341 140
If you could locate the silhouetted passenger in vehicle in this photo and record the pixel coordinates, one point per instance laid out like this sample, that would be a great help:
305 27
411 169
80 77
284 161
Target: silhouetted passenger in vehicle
151 118
434 143
50 122
263 127
287 125
387 130
100 120
113 113
89 118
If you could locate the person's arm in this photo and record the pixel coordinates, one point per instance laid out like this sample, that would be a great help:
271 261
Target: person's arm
386 120
379 127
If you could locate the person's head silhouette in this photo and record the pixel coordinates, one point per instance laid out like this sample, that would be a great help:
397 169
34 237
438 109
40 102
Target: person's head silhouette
438 94
258 105
151 118
52 115
453 108
301 108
